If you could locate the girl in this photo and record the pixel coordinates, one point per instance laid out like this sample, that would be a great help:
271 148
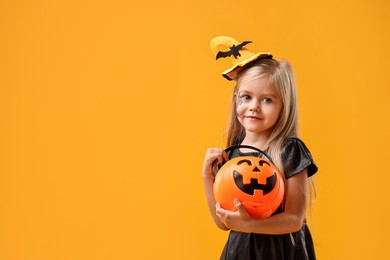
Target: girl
264 115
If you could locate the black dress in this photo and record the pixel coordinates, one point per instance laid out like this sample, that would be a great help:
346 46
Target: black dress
296 246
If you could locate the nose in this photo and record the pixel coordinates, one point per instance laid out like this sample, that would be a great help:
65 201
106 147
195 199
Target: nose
254 105
256 169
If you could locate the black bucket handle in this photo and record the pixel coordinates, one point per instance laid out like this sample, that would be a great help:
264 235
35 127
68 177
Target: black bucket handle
234 147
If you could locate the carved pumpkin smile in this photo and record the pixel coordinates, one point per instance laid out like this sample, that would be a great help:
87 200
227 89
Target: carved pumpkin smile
254 184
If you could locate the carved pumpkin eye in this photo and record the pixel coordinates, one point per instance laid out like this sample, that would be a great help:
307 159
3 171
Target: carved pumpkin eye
244 161
255 181
262 162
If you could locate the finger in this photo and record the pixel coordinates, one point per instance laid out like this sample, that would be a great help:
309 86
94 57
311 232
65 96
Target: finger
214 153
217 207
240 208
221 154
225 156
219 210
219 158
215 164
213 170
217 151
211 156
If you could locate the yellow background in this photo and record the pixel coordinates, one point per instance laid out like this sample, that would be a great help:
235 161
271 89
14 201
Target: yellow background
107 109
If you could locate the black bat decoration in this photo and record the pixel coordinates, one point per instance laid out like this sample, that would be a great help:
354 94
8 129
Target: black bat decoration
234 50
254 185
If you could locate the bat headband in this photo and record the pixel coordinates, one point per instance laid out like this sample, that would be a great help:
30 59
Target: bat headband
223 47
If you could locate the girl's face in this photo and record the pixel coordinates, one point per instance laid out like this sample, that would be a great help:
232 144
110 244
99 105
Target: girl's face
258 106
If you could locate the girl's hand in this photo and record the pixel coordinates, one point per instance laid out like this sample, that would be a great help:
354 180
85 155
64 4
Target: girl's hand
214 156
238 220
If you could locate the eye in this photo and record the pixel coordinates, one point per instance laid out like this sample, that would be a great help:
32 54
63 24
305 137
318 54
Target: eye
246 97
243 98
267 100
244 161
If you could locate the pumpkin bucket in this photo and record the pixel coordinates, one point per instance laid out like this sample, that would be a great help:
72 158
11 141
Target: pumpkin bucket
254 181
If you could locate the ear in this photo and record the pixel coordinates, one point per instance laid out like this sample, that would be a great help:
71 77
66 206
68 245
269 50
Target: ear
235 97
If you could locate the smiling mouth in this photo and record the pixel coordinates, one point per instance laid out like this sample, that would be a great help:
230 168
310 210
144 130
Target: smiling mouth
253 117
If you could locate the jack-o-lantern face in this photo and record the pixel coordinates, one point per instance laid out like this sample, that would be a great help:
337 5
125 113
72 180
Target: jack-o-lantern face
255 181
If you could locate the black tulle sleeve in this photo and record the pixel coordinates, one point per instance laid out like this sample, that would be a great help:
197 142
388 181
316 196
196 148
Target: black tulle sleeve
296 157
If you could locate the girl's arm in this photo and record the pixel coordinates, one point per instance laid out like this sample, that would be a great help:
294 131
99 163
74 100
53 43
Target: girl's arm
213 157
288 221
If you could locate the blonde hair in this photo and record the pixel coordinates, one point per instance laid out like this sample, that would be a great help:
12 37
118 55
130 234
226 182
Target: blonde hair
281 76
